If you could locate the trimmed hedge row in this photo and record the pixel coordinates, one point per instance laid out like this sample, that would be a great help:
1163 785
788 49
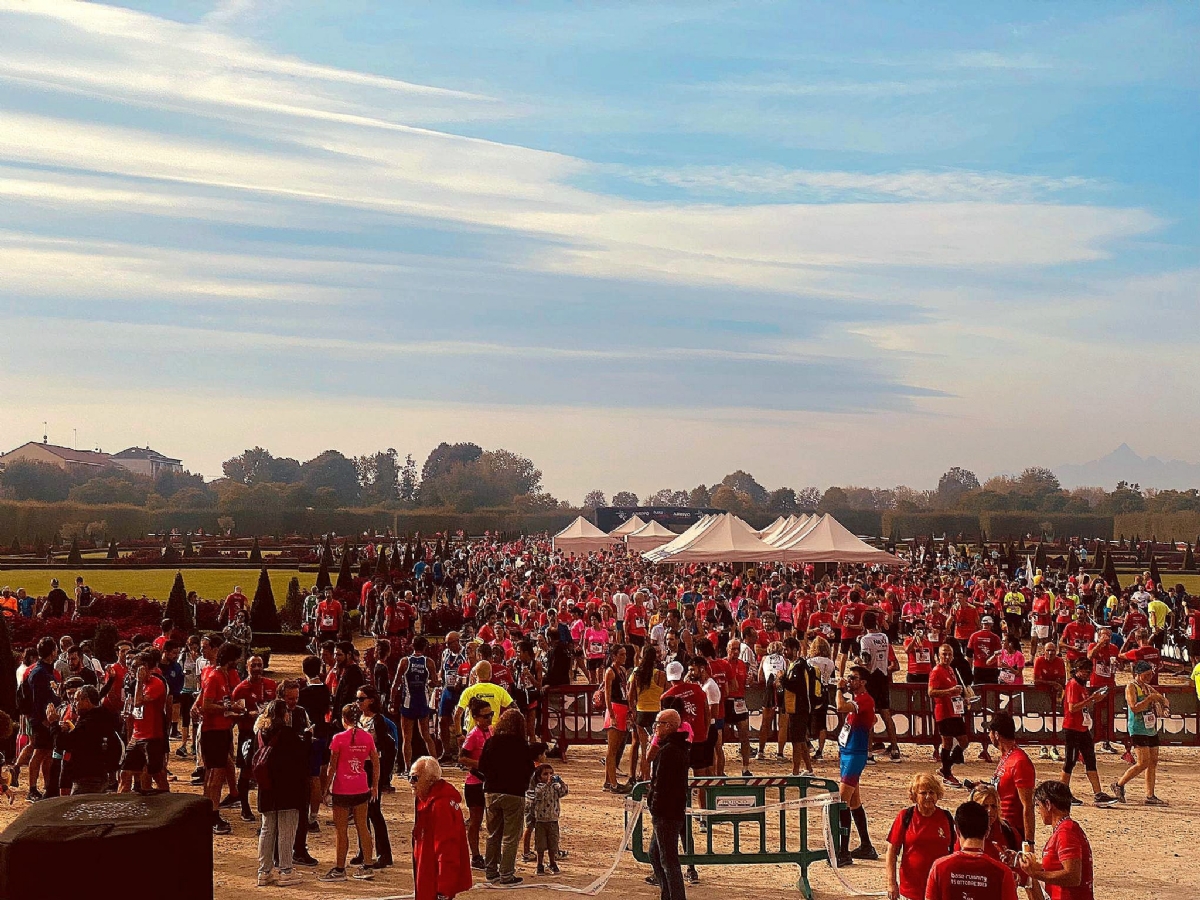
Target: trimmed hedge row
998 526
28 521
1181 526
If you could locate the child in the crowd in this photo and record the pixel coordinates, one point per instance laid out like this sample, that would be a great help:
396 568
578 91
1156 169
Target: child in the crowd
530 821
547 790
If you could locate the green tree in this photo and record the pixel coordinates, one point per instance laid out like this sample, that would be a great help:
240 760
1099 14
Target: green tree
248 466
409 483
445 457
744 483
594 500
699 497
379 476
255 552
74 558
264 616
833 499
783 502
31 480
334 471
345 578
954 483
625 498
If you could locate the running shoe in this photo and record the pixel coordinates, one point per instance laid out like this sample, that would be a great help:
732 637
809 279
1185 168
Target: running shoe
510 879
1075 801
844 860
1118 791
222 827
478 863
894 756
306 859
334 874
1044 752
288 878
691 876
746 773
868 853
951 781
1155 801
265 879
364 873
1104 800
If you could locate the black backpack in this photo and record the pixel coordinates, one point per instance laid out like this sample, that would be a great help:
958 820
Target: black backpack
25 697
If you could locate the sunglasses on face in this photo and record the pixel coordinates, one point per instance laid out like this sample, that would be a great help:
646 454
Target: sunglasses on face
413 779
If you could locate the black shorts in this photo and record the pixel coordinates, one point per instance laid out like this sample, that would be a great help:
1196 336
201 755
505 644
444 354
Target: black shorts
954 727
879 686
702 754
349 801
149 755
848 646
638 640
917 678
42 738
216 746
1193 649
798 725
1144 740
645 720
473 794
1078 744
732 717
985 675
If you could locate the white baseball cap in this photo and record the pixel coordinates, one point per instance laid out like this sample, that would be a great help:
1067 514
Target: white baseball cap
675 671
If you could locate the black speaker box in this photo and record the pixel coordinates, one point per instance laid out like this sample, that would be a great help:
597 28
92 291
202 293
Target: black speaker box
109 845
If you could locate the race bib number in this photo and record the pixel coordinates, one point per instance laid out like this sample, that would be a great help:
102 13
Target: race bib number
327 621
1150 719
739 706
844 735
138 712
921 656
596 647
1104 669
1087 719
959 706
1007 677
639 623
451 680
827 630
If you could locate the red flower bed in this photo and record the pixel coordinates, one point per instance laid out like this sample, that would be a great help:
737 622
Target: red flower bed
136 618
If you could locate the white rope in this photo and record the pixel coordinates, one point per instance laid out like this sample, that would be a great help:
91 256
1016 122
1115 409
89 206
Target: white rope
634 812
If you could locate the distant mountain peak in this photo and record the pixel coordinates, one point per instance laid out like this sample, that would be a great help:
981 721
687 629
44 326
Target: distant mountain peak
1124 464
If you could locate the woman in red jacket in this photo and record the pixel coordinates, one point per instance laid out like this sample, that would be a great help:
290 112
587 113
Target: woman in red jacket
441 861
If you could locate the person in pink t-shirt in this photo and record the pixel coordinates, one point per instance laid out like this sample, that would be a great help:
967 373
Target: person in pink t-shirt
595 647
354 762
481 714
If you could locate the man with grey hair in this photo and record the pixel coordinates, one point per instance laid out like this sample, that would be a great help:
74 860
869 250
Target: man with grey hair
667 801
441 860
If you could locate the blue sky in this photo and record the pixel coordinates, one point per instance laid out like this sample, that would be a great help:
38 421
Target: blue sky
644 244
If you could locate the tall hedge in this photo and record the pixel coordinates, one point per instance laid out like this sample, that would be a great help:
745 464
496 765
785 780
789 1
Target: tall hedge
345 578
263 614
8 671
178 610
909 525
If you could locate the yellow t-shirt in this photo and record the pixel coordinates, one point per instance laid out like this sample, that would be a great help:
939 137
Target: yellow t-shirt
1196 678
496 696
1157 611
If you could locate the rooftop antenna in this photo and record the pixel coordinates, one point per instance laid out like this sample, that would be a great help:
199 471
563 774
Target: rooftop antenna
45 438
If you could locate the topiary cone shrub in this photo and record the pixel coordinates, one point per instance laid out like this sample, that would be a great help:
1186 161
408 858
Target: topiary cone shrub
264 616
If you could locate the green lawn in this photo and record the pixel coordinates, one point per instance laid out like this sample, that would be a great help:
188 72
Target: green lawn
211 584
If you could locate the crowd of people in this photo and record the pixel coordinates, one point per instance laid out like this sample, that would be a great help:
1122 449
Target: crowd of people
678 657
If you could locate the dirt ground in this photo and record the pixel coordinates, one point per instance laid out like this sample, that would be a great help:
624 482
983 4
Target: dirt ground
1140 852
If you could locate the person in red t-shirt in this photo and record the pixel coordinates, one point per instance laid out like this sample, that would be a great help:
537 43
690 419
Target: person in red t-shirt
1066 864
255 693
920 835
234 604
329 617
1193 629
216 736
968 873
1077 635
636 620
1042 617
1050 674
850 618
1144 652
1015 777
984 646
737 715
1104 658
949 713
920 656
1078 703
147 750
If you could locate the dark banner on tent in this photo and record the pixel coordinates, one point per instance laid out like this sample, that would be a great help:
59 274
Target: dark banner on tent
677 518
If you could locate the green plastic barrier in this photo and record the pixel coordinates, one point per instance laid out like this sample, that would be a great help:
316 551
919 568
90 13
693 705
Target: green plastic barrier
787 843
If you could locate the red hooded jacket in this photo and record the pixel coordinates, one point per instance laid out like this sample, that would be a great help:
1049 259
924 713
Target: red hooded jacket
441 860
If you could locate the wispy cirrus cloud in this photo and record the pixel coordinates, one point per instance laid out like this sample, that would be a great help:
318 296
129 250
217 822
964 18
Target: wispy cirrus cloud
783 183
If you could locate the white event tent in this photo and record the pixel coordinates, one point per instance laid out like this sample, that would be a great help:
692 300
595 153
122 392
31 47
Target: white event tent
829 541
628 527
649 536
582 537
718 538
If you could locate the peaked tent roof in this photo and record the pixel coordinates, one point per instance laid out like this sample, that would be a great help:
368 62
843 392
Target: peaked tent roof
628 527
582 537
649 536
829 541
725 539
698 527
779 522
799 527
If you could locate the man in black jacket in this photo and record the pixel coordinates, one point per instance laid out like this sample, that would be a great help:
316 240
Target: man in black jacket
668 802
91 747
